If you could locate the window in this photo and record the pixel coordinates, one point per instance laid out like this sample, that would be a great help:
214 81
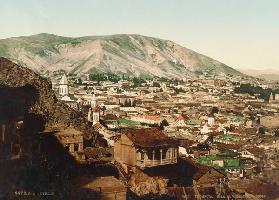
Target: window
142 156
169 153
76 147
174 153
67 147
138 155
164 153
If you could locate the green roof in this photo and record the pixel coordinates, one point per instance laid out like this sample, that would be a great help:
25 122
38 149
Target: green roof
236 118
207 160
228 163
229 137
193 122
127 122
232 164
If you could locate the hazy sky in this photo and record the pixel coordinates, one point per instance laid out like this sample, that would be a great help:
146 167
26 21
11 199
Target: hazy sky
240 33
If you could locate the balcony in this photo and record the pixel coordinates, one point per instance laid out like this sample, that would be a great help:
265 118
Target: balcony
153 163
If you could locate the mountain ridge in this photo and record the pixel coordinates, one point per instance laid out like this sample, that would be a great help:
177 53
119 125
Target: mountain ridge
131 54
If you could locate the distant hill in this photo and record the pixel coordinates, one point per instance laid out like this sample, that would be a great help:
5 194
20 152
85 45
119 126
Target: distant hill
134 55
268 74
269 77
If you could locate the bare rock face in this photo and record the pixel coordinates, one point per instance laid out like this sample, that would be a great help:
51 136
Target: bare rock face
44 102
142 184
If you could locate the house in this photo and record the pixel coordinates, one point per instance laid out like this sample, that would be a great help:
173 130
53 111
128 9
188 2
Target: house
147 119
71 139
123 100
145 147
227 139
70 102
255 153
110 120
234 167
207 182
208 176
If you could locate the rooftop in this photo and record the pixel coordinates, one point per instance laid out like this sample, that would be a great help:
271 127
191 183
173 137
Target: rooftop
149 137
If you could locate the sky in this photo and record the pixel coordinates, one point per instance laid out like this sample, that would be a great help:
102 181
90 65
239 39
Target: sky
243 34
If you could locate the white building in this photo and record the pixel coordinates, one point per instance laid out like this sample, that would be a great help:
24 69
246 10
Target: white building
63 89
211 120
94 111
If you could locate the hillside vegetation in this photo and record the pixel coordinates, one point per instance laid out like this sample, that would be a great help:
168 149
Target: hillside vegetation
132 55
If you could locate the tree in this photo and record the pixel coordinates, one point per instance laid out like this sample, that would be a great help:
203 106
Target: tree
261 131
163 124
78 81
156 84
215 110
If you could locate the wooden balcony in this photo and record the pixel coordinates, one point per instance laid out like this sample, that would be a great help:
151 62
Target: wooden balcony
153 163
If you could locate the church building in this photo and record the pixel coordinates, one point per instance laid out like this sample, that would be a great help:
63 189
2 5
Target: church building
94 111
63 86
63 91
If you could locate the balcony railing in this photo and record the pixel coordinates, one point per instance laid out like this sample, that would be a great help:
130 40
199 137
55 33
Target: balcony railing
152 163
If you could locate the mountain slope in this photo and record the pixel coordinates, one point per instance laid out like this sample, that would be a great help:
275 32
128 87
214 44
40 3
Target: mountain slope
134 55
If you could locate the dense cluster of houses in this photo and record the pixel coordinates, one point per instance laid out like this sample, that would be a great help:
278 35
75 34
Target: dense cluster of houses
189 138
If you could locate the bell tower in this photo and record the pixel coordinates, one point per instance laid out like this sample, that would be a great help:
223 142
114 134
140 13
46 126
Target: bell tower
63 86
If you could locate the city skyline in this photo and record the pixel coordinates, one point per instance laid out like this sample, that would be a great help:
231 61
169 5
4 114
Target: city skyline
241 34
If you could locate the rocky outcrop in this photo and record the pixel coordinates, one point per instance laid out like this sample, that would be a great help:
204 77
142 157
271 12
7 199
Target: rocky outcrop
44 102
142 184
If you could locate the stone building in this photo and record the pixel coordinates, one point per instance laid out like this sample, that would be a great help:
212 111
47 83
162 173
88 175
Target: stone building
63 89
71 139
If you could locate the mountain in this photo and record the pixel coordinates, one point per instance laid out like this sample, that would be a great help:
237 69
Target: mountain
269 77
134 55
267 74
